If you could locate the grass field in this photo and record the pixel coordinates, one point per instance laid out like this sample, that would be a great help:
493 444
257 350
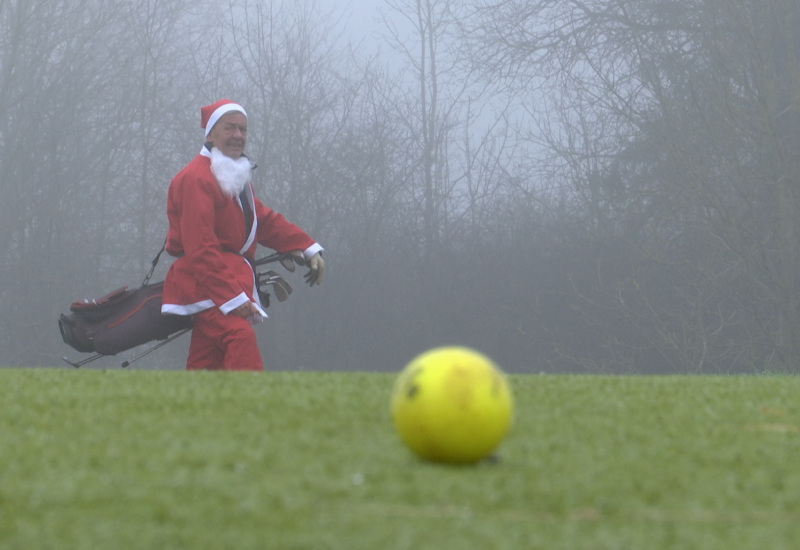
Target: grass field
173 460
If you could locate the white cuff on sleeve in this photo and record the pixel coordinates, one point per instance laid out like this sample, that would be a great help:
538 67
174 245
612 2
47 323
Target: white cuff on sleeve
311 250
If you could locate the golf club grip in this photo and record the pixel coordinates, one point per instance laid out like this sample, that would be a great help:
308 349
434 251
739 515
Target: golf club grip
269 259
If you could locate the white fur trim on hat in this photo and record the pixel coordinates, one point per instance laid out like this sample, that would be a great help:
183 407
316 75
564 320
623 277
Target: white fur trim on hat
222 110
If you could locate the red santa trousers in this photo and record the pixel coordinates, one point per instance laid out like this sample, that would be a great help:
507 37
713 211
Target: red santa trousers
223 342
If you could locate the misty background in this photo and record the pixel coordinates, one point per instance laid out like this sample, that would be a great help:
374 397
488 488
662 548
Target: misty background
601 186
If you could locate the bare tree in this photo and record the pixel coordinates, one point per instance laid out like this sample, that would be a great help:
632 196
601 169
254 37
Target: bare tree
429 49
53 181
148 104
674 120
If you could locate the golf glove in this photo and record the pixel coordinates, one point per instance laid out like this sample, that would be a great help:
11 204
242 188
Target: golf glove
316 269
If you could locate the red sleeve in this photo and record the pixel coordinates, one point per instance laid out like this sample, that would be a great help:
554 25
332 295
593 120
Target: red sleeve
275 232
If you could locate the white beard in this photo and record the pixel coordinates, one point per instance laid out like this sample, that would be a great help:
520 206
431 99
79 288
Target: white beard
232 174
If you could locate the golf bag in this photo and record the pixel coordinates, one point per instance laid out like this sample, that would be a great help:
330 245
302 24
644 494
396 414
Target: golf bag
125 318
119 321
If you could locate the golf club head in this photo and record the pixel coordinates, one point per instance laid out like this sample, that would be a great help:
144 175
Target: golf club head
280 292
277 280
281 288
286 286
287 262
299 259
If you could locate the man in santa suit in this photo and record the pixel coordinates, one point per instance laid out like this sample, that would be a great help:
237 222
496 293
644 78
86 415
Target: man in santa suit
215 225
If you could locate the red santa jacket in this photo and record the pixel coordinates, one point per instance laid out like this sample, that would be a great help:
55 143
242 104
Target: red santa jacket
207 234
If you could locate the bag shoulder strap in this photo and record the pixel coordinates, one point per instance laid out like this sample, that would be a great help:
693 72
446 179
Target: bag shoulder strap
154 263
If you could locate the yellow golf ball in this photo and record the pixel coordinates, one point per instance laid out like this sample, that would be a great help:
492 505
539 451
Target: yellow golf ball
451 404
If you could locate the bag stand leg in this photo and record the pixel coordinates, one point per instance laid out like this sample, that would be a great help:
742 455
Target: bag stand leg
78 364
161 343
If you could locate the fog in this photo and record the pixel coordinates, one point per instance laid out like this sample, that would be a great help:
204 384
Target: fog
603 186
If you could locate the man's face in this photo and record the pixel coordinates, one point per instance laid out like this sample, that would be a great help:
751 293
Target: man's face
229 134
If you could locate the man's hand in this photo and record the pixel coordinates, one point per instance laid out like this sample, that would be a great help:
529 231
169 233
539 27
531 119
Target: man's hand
245 310
316 266
316 270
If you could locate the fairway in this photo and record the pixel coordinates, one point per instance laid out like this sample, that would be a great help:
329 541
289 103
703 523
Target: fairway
308 460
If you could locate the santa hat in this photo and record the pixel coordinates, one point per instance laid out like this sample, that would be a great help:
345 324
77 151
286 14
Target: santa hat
210 114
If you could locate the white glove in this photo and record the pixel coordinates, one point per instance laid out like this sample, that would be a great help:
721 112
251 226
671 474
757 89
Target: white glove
316 270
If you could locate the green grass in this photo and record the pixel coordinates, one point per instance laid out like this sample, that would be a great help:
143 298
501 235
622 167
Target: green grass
174 460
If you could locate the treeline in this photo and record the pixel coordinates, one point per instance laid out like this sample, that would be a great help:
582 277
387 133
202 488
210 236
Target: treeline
605 186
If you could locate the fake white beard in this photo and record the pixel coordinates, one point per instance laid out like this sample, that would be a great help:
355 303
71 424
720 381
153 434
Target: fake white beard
232 174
